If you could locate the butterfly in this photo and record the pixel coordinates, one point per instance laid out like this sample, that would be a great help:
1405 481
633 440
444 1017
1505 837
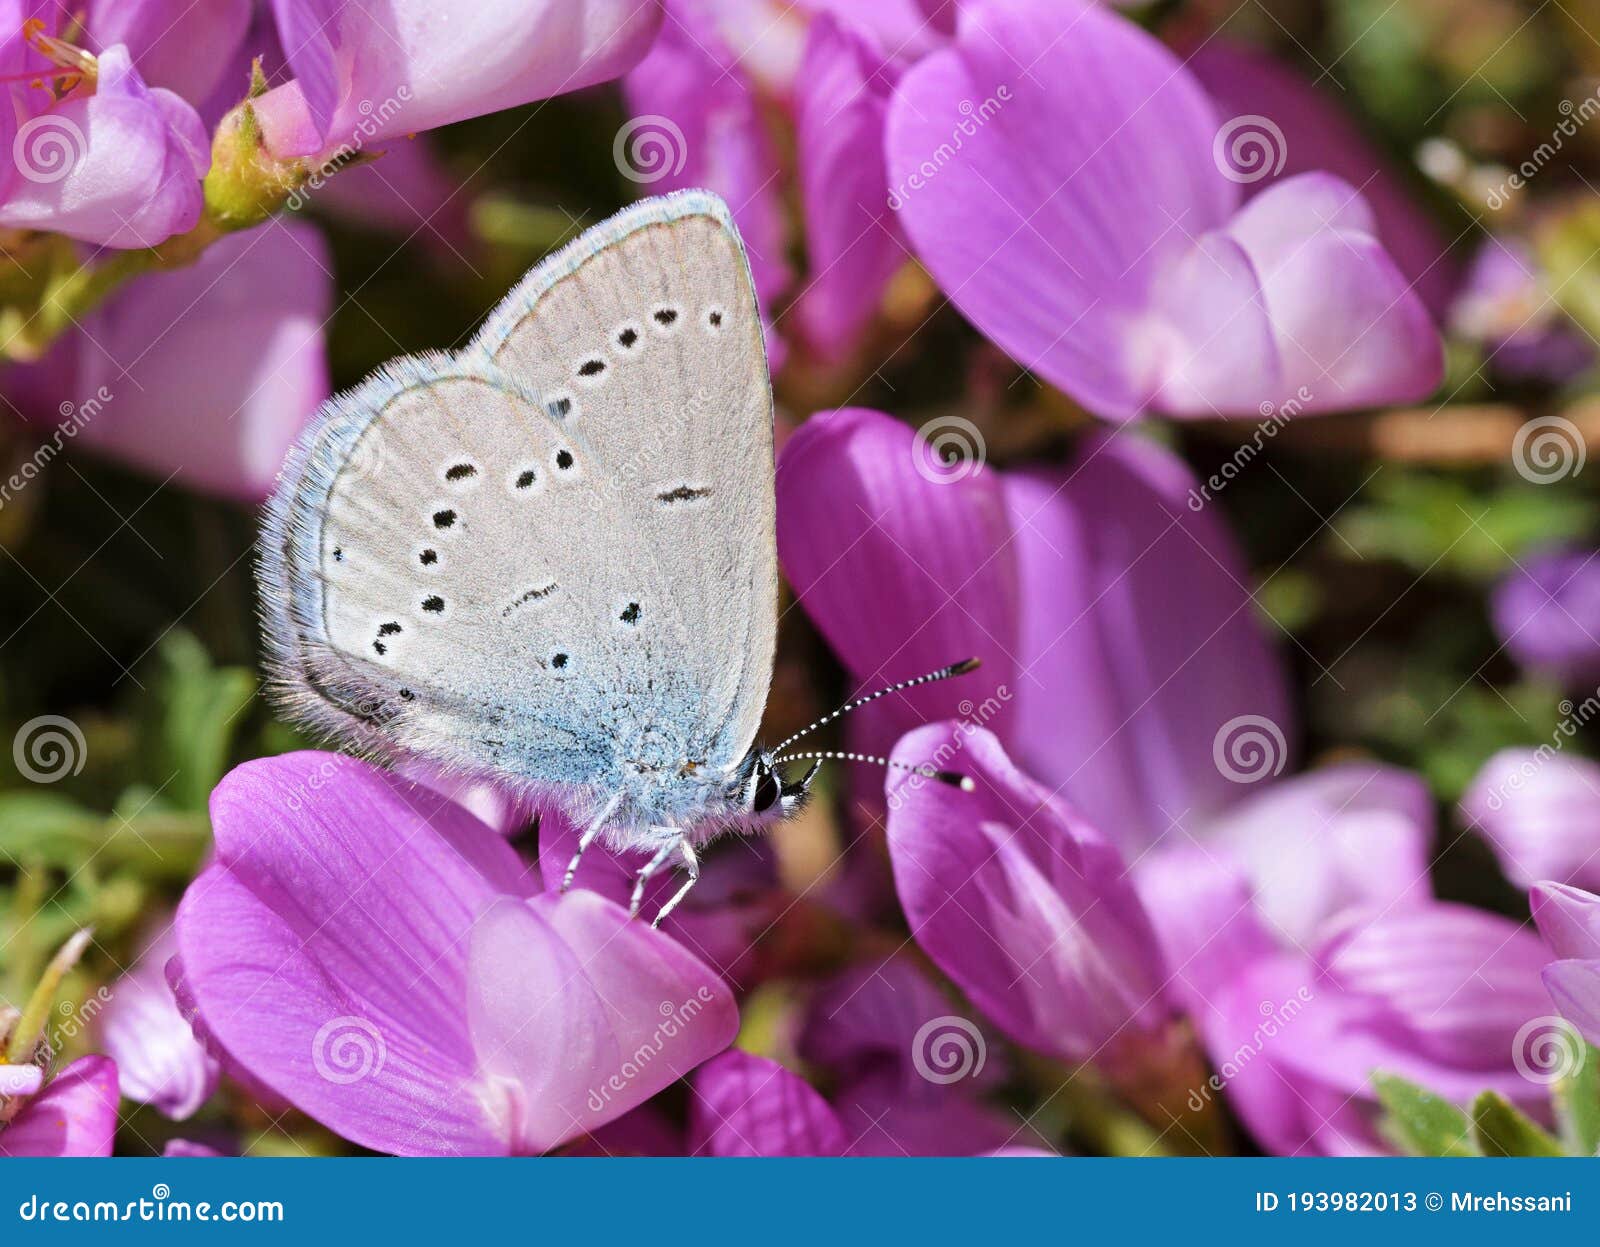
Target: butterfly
549 559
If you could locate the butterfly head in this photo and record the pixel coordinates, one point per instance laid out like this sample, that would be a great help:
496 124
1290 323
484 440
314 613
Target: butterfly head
762 791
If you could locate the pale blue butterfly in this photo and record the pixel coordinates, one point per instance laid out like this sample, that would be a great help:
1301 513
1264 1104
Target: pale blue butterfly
550 558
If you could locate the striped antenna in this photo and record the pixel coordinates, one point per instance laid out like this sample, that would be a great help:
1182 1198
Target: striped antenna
943 673
953 778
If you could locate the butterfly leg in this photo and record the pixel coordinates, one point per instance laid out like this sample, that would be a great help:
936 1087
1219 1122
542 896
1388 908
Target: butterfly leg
588 838
691 863
651 868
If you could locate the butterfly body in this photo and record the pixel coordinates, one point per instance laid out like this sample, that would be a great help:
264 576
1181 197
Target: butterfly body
549 559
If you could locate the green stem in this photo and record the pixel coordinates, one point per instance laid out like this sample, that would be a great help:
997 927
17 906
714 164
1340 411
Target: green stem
29 1029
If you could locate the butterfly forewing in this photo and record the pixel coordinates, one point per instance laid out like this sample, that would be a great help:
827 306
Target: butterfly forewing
651 349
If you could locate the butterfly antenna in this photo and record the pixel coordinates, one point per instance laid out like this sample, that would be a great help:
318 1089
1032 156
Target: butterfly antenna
943 673
954 778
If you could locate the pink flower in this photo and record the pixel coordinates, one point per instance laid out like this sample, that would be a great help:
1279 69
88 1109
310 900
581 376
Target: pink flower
1055 170
1569 920
158 1058
1111 615
1027 907
74 1114
383 960
697 122
253 307
1539 811
98 155
366 71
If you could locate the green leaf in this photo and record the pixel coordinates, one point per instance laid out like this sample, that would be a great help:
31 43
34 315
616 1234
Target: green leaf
1502 1130
198 708
1577 1103
53 831
1420 1122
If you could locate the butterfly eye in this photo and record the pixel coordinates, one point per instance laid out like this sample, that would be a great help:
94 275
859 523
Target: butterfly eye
767 792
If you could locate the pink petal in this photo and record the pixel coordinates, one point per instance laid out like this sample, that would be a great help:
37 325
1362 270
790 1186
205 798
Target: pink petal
188 1149
75 1115
1350 331
1318 133
853 240
1140 654
120 168
696 122
308 30
883 1115
1540 814
1546 611
1048 168
1461 981
158 1058
902 567
1315 846
1568 918
878 1017
326 947
579 1015
253 307
720 921
1204 913
1018 901
186 48
18 1080
1574 986
746 1105
412 65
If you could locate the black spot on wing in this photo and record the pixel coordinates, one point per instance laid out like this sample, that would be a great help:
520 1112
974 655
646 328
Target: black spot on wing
684 493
